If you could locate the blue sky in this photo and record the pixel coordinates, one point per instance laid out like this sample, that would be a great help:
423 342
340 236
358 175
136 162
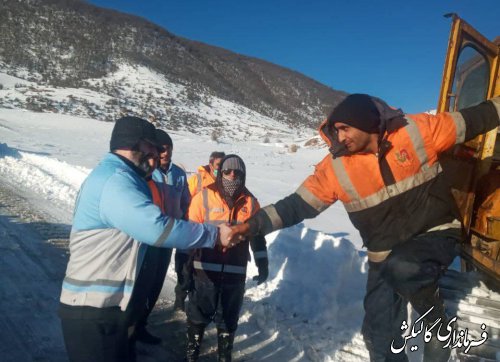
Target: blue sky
393 49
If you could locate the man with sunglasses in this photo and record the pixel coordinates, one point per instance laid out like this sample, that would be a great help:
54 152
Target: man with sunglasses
384 166
219 275
114 218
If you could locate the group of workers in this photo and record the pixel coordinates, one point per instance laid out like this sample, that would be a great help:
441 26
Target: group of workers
113 281
136 206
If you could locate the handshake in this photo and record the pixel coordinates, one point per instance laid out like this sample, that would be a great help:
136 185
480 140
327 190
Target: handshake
229 236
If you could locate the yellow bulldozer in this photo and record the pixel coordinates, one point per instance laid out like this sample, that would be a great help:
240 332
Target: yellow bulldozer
471 75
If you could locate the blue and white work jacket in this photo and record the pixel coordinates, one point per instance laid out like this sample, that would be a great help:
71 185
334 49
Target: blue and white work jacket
114 215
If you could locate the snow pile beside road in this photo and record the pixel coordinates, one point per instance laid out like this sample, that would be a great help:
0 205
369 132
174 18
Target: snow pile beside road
57 181
313 299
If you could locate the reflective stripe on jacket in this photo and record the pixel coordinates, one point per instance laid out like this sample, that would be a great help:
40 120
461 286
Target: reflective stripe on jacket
209 207
201 179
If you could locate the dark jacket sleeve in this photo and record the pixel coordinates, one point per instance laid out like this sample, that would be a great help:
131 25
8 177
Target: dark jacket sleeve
287 212
481 118
258 246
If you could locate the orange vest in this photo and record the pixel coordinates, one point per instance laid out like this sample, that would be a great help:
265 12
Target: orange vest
209 207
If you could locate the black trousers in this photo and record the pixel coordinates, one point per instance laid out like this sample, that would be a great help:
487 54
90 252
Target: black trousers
149 284
217 302
184 271
391 284
95 334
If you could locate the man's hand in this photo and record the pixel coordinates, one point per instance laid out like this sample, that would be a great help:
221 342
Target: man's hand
263 266
229 236
224 236
239 232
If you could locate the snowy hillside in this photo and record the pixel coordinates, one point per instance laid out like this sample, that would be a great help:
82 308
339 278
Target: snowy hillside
140 91
75 44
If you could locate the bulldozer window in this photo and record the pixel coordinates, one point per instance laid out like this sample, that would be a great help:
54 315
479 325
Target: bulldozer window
470 85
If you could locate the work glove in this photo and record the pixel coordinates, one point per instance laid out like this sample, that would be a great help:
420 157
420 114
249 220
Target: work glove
263 266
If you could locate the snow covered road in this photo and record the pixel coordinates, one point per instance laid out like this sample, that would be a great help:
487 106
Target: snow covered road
31 270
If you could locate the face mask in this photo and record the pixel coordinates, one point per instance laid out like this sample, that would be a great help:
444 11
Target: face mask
231 186
216 172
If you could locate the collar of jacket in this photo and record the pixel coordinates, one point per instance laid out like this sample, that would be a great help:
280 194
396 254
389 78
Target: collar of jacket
130 164
168 168
205 168
387 127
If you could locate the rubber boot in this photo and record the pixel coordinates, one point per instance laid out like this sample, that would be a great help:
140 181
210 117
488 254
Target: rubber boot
225 342
422 301
195 337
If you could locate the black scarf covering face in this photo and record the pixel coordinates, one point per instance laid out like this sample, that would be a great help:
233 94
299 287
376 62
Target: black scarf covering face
231 190
230 186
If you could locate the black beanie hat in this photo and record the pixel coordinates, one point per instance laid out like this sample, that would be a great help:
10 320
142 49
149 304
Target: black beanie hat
128 131
163 138
359 111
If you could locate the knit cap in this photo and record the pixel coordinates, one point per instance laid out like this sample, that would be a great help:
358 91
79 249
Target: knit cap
358 111
233 163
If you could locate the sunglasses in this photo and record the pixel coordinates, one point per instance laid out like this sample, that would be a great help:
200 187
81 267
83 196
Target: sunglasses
237 173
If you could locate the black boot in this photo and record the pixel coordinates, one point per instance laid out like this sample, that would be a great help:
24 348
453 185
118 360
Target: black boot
224 345
422 301
195 336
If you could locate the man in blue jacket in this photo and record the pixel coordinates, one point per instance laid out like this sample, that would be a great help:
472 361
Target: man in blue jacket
114 217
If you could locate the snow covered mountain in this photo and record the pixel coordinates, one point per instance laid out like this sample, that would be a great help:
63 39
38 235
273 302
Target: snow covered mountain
171 106
111 63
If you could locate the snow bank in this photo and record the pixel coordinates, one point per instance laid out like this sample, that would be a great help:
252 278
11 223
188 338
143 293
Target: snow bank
313 295
56 181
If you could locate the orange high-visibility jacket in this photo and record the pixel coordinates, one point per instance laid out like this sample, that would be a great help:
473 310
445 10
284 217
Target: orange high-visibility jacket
395 195
201 179
209 207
